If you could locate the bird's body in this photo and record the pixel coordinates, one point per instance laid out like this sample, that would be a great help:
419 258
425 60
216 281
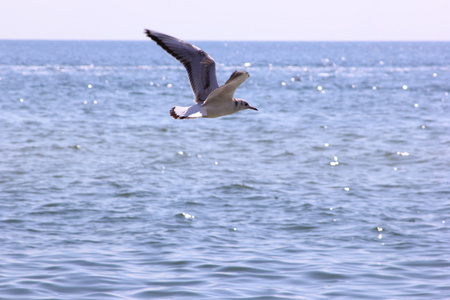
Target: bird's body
211 100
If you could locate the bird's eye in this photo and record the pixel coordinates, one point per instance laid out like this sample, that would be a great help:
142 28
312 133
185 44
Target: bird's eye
246 104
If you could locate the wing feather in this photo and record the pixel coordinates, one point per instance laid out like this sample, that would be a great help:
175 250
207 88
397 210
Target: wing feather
226 91
200 67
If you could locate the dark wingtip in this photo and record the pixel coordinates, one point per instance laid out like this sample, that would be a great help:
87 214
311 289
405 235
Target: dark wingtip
236 74
148 33
173 114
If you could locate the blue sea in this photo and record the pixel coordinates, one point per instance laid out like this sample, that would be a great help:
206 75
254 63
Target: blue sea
337 188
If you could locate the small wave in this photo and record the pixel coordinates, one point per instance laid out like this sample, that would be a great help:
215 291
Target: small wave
235 187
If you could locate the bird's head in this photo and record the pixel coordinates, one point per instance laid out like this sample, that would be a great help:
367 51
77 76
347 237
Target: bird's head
241 104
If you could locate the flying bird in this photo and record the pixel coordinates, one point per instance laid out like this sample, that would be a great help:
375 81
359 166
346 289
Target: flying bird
212 100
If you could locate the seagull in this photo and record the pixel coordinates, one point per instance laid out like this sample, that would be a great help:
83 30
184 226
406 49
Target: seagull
211 100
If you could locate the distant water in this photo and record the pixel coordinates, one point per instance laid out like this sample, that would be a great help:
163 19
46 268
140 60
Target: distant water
339 187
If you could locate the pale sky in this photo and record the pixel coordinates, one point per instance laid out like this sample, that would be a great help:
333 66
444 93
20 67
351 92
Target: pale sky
256 20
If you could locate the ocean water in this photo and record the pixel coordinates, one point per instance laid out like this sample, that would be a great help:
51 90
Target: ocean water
338 187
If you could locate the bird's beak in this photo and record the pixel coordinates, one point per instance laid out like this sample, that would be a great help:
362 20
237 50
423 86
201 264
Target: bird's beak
254 108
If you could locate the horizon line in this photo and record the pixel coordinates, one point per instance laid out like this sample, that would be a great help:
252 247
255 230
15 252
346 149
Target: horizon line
226 41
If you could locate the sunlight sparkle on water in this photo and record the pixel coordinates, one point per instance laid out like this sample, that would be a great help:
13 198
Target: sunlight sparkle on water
335 162
402 153
187 216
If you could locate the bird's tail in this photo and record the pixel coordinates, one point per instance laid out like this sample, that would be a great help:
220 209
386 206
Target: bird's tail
191 112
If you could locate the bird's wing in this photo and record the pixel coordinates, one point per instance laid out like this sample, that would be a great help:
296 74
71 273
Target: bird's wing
226 91
191 112
200 67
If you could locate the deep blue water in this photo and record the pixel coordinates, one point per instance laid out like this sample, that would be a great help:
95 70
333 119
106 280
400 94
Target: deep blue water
338 187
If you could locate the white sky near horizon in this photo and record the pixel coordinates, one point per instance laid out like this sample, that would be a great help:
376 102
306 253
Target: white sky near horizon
253 20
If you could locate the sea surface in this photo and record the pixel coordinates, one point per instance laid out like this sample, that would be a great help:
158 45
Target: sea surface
337 188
